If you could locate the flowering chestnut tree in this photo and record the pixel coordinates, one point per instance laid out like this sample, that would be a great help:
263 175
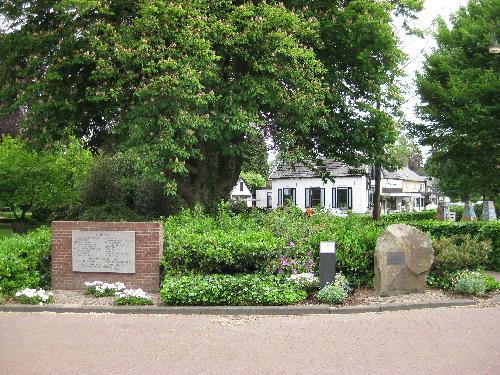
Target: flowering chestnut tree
185 84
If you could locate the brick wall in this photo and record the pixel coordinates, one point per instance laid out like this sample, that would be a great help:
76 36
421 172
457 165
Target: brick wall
148 251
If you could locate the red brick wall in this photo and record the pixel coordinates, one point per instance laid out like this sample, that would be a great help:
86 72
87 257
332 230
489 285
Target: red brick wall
148 251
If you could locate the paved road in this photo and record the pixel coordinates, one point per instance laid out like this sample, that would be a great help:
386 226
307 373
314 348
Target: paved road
433 341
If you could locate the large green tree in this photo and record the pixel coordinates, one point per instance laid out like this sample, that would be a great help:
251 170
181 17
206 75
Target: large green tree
460 91
185 83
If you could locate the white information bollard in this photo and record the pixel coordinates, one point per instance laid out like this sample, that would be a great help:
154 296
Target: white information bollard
327 262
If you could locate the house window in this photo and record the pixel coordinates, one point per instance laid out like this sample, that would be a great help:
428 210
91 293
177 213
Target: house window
343 198
241 185
315 197
289 196
269 200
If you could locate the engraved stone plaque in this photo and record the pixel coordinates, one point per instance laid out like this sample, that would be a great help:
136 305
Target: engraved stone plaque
395 258
103 251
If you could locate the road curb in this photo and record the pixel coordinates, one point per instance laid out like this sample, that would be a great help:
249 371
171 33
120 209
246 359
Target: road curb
237 310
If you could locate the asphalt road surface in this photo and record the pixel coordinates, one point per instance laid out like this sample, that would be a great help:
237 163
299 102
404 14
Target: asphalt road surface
431 341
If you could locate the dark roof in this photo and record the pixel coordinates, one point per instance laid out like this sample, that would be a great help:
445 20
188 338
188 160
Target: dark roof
335 168
404 173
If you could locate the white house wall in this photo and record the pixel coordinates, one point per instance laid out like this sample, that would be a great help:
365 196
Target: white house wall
261 197
357 183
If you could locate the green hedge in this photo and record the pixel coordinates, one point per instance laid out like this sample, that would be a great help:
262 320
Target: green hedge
25 261
480 230
197 243
400 217
254 242
230 290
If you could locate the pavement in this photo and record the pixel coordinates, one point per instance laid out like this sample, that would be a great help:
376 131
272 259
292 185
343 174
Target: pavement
460 340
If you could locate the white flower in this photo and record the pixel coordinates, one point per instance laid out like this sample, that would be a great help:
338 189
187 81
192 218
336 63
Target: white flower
138 293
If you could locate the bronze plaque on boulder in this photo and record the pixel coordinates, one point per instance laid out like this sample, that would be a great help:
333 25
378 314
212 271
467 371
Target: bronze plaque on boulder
395 258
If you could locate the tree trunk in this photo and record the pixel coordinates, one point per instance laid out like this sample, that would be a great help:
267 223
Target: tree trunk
376 196
209 180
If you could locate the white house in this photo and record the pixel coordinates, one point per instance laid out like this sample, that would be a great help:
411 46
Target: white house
350 190
402 190
242 192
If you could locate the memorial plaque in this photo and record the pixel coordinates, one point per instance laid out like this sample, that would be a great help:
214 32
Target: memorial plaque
103 251
395 258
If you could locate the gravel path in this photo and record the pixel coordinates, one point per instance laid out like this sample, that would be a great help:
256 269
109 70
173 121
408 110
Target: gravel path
78 297
360 297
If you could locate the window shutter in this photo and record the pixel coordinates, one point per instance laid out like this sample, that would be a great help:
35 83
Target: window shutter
349 198
322 198
294 196
308 197
334 197
280 197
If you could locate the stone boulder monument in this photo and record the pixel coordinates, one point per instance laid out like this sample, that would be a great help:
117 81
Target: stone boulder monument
403 258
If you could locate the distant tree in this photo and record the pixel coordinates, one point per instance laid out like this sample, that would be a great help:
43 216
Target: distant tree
460 91
253 180
30 180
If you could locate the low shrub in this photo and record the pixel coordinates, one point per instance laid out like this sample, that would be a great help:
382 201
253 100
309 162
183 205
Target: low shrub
25 261
332 294
459 252
133 297
229 290
34 296
2 299
102 289
470 283
479 230
335 293
491 282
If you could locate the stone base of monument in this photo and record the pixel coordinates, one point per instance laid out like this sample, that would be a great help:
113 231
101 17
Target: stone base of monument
489 213
403 258
469 213
442 211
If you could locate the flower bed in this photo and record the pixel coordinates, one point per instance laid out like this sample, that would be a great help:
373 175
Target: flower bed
34 296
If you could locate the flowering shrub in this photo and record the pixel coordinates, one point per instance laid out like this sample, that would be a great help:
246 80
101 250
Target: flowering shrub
469 282
102 289
305 281
293 264
34 296
133 297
